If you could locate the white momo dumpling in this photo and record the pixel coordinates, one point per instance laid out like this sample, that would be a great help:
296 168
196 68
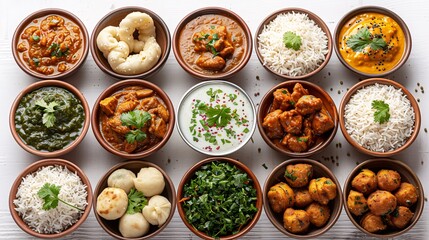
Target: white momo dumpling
112 203
133 225
122 178
157 210
149 181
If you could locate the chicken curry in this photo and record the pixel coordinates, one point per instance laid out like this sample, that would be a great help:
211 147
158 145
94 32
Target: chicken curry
133 119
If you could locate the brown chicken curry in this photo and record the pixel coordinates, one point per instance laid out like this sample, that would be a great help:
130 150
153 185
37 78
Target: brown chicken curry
133 119
297 121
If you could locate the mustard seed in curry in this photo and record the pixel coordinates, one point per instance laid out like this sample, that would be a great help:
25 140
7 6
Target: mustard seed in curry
51 45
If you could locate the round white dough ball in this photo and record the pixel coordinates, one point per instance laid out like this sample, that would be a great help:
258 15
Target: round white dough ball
122 178
133 225
112 203
149 181
157 210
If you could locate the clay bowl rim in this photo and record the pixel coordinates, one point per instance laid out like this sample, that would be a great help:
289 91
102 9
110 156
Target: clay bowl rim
42 13
375 9
96 54
169 186
215 82
399 167
326 172
320 23
49 83
372 81
116 87
189 174
218 11
305 84
33 168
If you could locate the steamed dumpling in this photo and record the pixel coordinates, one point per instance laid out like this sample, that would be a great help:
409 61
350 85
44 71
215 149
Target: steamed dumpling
157 210
112 203
149 181
122 178
133 225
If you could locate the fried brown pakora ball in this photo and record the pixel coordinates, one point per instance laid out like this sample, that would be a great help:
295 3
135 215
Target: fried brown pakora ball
298 175
356 203
381 202
319 214
280 197
401 217
302 198
388 180
407 194
365 182
322 190
372 223
296 221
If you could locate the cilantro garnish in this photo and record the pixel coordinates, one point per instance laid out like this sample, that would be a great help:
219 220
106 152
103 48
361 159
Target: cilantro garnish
210 45
36 61
359 41
49 193
291 40
48 118
290 175
218 115
381 114
56 50
36 38
135 119
136 201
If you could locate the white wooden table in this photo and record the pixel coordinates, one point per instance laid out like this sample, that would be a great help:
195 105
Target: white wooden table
176 157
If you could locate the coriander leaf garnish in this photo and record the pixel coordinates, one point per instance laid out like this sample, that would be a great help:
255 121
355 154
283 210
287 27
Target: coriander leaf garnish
136 201
359 41
36 38
291 40
56 50
381 114
36 61
218 115
48 118
290 175
49 193
210 45
135 119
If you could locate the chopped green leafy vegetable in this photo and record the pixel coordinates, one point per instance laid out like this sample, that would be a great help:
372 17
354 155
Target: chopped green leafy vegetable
56 50
135 119
136 201
290 175
211 44
218 115
49 193
48 118
36 61
219 200
291 40
36 38
381 114
359 41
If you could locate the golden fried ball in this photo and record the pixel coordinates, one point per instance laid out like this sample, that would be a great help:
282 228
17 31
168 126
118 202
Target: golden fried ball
280 197
407 194
381 202
365 182
372 223
401 217
388 180
319 214
322 190
356 203
298 175
302 198
296 221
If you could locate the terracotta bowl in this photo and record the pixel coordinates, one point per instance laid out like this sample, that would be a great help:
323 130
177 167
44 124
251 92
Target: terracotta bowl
319 22
33 168
113 18
95 121
191 173
383 81
211 75
33 87
374 9
313 89
407 175
112 226
44 13
319 170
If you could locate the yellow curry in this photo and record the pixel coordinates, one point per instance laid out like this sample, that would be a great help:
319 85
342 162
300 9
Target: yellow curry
372 43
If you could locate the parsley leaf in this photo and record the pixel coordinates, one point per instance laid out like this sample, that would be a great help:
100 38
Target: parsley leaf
363 38
218 115
135 119
381 114
49 193
136 201
48 118
291 40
